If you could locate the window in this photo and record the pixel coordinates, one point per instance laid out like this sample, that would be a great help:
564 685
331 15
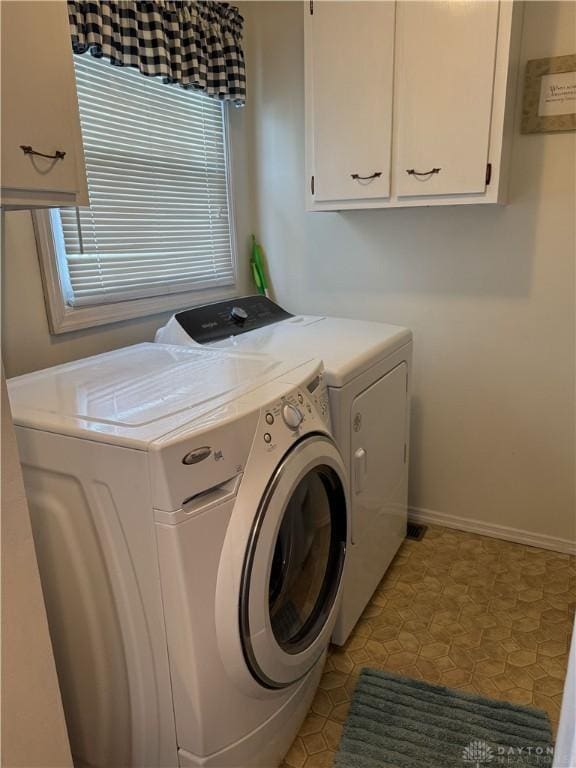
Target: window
159 226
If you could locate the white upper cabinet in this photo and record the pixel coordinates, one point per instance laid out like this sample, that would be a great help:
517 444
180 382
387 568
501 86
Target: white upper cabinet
39 108
351 98
419 93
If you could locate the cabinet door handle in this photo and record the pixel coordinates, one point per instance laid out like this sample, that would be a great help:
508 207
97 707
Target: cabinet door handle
374 175
412 172
28 150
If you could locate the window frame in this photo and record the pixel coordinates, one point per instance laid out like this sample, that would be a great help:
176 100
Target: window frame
63 317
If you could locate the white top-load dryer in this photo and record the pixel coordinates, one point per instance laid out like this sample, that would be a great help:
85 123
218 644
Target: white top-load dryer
189 513
368 373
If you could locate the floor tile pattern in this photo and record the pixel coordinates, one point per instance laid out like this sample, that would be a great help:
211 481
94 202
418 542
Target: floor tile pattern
461 610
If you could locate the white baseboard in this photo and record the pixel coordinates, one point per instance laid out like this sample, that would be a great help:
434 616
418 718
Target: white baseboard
420 515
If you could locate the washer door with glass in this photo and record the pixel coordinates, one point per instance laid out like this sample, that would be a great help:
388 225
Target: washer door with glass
292 570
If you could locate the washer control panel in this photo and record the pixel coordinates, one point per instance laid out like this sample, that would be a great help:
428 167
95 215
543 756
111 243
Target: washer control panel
296 409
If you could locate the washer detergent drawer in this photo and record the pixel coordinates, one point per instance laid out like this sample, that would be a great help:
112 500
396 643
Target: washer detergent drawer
189 467
378 472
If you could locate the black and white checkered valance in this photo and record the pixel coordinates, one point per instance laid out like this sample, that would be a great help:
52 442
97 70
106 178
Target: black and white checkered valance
195 44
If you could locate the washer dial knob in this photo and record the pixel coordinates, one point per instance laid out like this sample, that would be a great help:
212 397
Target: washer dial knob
238 314
292 415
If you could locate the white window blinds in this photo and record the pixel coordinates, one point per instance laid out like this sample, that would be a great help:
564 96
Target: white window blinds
159 216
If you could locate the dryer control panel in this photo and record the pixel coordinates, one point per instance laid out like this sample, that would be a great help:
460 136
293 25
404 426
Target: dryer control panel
214 322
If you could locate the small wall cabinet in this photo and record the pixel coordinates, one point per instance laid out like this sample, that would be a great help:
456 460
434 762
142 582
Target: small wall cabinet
39 108
408 103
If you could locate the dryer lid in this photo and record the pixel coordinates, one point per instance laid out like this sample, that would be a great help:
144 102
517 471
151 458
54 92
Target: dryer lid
347 347
256 324
135 395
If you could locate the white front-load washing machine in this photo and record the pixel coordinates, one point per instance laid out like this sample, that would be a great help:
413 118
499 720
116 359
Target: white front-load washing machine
189 510
368 373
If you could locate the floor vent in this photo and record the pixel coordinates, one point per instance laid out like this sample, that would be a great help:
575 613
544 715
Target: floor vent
416 531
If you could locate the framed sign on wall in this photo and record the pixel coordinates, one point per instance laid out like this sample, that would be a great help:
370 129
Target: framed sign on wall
549 103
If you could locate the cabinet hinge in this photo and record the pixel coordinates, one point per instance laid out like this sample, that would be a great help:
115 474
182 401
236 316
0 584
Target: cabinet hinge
312 184
488 173
311 7
405 452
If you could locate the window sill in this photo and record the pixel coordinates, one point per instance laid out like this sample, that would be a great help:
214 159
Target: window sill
63 318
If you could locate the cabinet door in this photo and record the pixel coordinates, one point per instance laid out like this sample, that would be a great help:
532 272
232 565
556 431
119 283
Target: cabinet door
39 105
446 54
350 55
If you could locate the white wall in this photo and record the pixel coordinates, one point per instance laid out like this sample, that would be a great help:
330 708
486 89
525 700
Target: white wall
489 292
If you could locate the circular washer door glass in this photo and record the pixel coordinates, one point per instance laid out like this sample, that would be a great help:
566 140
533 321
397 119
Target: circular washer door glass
307 561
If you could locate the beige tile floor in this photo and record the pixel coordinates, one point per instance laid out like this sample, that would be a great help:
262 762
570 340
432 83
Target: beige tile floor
461 610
